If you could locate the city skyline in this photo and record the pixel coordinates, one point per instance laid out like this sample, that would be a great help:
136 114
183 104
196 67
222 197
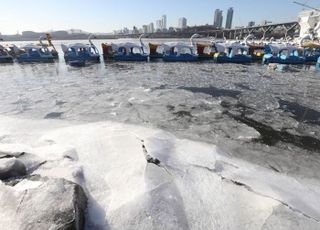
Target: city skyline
107 16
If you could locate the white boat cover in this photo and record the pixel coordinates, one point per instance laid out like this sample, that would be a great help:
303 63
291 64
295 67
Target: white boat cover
221 47
126 45
74 46
178 45
31 46
277 47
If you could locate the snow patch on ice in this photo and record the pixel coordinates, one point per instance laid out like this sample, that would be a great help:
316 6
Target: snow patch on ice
195 186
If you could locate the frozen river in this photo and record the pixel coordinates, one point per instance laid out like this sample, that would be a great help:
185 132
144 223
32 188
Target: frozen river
264 118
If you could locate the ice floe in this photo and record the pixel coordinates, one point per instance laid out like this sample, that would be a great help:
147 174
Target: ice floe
194 185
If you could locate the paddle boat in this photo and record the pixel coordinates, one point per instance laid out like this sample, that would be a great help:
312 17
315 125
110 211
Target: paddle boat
78 54
5 57
256 50
49 45
125 51
33 53
178 52
282 53
231 53
310 49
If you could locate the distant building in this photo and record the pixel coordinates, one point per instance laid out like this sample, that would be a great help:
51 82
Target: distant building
31 34
251 24
164 22
135 30
229 18
151 28
158 25
161 24
218 18
145 29
182 23
59 34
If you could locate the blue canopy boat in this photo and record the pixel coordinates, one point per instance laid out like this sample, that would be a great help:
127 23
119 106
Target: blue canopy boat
5 57
34 53
126 51
81 53
282 54
231 53
178 52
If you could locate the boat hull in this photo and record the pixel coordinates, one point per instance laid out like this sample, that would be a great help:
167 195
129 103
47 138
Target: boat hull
81 59
155 56
312 58
237 59
132 57
205 57
35 59
180 58
293 60
6 60
77 63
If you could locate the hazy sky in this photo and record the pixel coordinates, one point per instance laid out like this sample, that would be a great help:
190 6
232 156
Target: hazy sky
107 15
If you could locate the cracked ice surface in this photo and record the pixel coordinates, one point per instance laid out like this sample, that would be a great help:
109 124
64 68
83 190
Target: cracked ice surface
196 186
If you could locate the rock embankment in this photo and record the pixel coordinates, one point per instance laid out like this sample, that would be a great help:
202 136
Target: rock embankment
31 201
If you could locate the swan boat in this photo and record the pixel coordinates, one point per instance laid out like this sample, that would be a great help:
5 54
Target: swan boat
125 51
231 53
5 57
178 52
78 54
282 54
33 53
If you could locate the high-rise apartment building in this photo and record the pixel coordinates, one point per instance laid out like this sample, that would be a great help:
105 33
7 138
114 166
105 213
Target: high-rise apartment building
218 18
182 23
229 18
